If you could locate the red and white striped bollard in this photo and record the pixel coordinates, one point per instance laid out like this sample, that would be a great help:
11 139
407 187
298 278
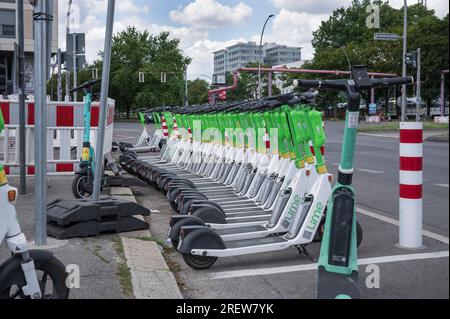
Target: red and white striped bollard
411 176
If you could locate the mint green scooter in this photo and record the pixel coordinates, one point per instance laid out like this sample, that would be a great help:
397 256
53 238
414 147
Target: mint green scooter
338 262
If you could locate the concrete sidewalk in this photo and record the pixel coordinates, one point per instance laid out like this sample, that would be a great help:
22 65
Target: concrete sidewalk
111 266
151 277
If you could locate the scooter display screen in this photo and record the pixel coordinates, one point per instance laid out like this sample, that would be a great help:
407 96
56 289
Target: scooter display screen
341 229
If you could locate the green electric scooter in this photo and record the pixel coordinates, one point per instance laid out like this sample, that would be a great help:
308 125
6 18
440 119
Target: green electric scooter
82 184
338 262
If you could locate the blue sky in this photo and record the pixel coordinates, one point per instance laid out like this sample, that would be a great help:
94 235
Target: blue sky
205 26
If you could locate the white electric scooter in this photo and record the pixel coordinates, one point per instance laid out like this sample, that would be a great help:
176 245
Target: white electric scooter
27 274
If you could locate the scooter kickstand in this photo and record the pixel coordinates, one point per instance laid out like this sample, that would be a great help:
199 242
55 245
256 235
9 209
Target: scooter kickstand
303 251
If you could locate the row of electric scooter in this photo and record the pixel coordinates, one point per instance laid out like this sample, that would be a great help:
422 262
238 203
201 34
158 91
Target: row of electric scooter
236 198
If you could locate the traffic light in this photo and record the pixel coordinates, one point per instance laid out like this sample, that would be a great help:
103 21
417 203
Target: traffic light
411 58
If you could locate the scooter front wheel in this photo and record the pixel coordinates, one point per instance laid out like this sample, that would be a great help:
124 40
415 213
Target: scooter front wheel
52 277
199 262
80 187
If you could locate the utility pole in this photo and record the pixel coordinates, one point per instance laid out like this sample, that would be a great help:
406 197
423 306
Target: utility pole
103 100
186 93
40 79
22 126
58 63
418 88
69 7
405 44
75 68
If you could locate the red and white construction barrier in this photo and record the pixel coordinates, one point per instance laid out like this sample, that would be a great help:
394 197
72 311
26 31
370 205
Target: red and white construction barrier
165 128
190 136
411 164
175 133
266 140
65 127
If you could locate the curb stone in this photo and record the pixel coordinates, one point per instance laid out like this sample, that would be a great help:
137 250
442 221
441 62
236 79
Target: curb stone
150 276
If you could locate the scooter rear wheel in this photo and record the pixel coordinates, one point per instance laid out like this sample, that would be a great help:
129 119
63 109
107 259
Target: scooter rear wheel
199 262
52 280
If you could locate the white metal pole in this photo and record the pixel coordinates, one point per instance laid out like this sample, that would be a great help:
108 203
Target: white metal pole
411 178
40 78
103 99
405 48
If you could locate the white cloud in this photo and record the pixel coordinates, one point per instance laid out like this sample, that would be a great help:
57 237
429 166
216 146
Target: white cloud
202 56
310 6
294 29
210 13
319 7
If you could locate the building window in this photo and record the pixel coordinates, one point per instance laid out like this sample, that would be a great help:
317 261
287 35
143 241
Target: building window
7 23
8 30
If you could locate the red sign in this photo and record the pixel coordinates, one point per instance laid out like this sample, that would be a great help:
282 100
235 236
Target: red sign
222 95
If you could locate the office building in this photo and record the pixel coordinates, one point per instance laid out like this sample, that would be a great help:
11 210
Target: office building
240 54
8 36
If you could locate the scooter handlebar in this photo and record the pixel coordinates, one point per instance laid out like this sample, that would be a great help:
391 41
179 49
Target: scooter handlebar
85 85
341 84
393 81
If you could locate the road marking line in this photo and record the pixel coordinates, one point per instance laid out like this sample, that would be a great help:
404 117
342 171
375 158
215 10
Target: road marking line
125 136
299 268
395 222
386 135
442 185
370 171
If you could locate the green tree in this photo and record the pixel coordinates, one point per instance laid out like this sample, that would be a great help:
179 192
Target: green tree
198 91
346 27
133 52
248 84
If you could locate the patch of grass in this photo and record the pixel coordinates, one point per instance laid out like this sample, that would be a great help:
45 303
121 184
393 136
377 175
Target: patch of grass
175 269
395 126
123 271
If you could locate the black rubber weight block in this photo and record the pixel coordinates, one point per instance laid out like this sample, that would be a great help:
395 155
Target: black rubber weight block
66 212
95 228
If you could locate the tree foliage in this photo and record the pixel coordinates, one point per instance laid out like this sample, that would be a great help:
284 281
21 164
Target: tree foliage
198 91
133 52
248 84
346 27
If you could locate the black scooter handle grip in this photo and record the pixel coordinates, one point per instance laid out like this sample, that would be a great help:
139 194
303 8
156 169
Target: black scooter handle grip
393 81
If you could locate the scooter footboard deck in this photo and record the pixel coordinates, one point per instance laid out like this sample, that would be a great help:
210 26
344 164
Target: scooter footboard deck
249 210
332 285
247 213
254 242
249 220
241 230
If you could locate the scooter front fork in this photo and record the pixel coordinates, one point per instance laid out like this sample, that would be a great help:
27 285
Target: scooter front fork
18 244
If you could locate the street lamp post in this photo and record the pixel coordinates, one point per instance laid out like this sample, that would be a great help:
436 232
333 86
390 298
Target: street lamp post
261 55
207 76
346 55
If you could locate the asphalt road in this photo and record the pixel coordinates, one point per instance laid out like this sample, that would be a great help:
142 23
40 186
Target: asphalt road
377 175
404 273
